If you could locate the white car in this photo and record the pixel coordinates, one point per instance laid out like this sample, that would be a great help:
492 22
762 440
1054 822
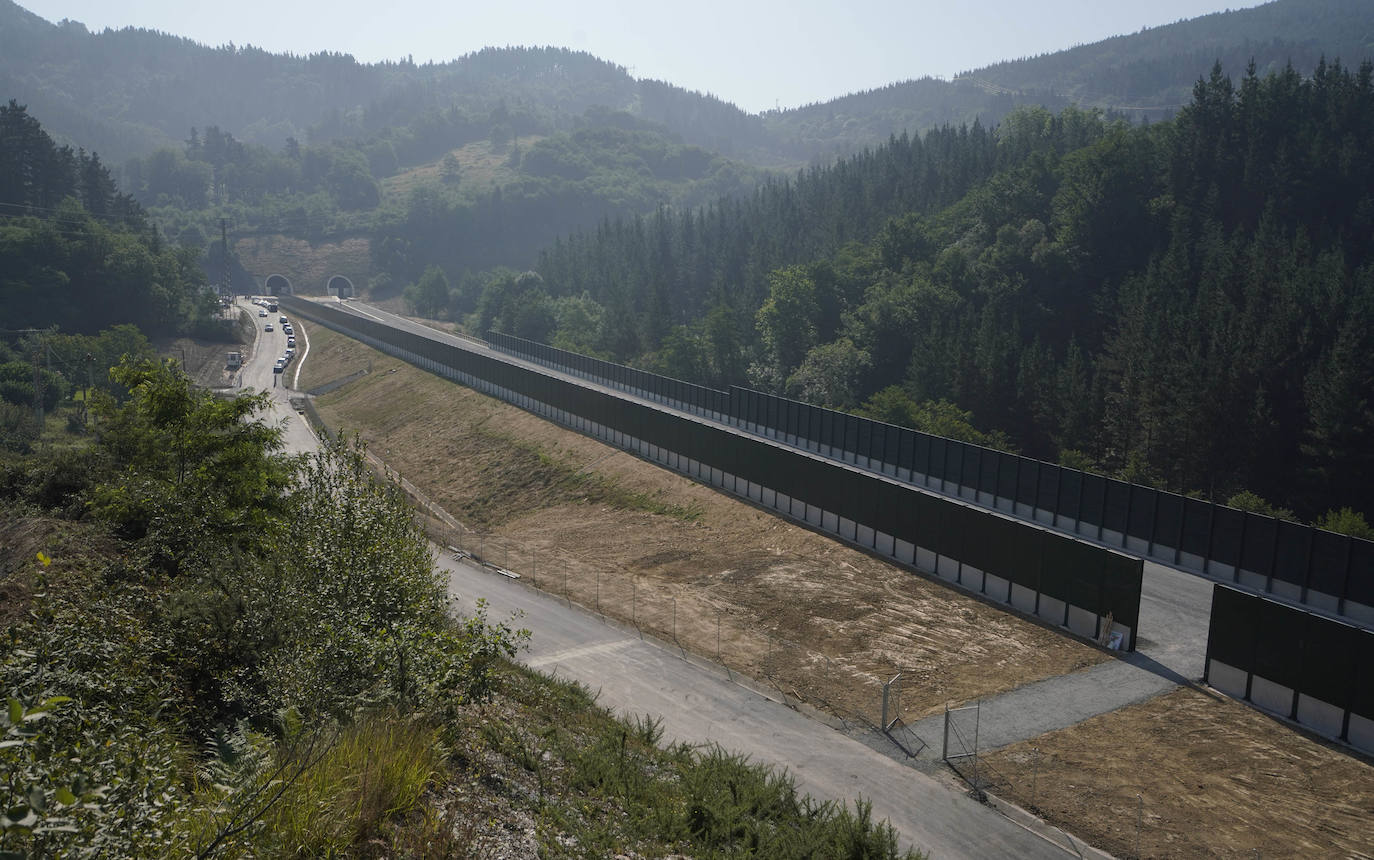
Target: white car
262 313
267 327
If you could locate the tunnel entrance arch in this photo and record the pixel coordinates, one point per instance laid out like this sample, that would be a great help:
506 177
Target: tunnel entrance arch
278 285
340 286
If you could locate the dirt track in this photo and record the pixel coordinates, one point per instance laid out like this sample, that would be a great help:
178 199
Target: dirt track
820 621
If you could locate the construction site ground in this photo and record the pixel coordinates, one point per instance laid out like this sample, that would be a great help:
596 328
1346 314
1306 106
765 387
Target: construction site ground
1189 773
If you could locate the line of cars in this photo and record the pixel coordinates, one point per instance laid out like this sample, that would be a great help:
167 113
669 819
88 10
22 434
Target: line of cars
290 333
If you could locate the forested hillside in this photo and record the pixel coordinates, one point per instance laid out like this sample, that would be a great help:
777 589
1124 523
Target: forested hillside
125 93
1186 303
78 254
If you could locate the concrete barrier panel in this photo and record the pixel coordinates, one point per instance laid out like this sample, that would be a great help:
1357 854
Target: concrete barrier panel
1044 517
1006 506
971 578
1221 571
1270 696
1190 561
830 522
1287 590
863 534
1361 733
1023 598
848 529
1322 600
1226 678
1082 622
995 587
947 568
925 559
1248 578
1363 613
1136 544
1023 510
1321 717
904 552
1163 553
884 543
1052 609
814 515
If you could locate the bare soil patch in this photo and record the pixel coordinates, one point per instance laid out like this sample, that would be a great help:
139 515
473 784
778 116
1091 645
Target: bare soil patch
1209 776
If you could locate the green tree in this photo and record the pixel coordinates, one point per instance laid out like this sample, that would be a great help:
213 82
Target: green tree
429 297
787 320
1346 521
196 475
450 171
830 375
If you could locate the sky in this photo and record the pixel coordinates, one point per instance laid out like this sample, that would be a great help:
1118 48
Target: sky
758 54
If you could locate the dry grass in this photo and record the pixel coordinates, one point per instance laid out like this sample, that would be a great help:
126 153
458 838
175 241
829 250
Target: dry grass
482 168
1214 778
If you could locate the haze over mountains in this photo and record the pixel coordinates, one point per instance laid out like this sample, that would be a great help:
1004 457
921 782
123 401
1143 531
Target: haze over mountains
125 93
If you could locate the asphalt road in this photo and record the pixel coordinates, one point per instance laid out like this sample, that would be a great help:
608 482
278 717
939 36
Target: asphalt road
257 374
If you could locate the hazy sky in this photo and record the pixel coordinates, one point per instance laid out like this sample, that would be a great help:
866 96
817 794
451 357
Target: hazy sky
755 54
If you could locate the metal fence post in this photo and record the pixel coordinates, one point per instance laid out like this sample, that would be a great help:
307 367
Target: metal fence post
944 738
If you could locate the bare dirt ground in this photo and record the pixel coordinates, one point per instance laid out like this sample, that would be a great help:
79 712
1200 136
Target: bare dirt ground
827 624
1208 777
